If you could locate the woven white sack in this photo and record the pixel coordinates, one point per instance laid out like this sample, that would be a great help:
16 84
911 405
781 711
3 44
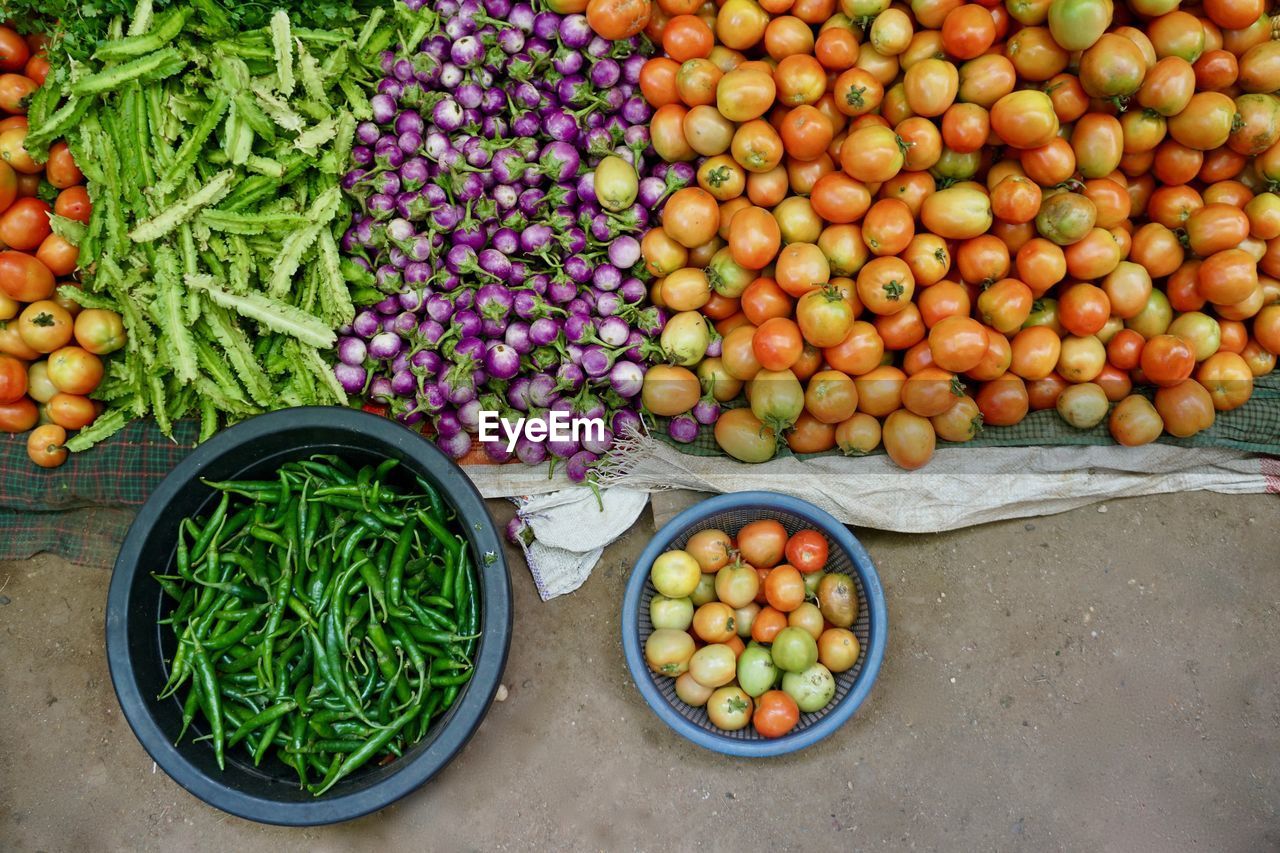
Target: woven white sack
960 486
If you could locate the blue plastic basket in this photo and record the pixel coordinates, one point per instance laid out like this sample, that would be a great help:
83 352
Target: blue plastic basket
847 556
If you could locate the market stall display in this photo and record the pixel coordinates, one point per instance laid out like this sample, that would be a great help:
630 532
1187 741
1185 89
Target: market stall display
499 184
452 194
308 639
932 220
777 655
749 230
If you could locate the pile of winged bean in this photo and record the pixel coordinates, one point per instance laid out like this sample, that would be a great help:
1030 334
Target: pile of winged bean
325 615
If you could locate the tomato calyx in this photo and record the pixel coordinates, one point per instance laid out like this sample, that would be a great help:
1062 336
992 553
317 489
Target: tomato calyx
976 426
832 293
957 387
1237 122
854 97
893 290
1120 102
736 704
718 176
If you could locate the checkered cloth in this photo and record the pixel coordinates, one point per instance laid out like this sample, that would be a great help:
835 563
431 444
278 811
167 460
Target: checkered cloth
81 510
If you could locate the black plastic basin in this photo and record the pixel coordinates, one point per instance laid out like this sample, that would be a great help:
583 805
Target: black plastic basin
137 647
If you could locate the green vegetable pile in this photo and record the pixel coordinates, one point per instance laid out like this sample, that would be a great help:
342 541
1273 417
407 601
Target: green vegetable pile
304 627
77 26
213 156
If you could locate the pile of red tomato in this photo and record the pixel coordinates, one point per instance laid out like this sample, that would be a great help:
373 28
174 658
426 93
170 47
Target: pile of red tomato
49 347
751 638
910 221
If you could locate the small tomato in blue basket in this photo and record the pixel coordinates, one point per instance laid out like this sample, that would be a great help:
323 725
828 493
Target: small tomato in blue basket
667 651
794 650
676 574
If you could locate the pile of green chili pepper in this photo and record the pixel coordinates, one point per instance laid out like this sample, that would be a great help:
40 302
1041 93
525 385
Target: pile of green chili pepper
325 615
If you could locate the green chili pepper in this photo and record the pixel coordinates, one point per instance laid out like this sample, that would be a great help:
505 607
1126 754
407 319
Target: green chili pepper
189 708
262 718
399 558
210 528
369 748
450 680
211 697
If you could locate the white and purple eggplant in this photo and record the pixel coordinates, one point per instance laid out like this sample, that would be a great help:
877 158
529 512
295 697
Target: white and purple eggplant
502 185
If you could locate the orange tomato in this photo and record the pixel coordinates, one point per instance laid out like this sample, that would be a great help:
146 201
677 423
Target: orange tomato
909 439
806 132
784 588
885 285
871 154
859 353
754 238
838 198
888 227
836 48
801 267
618 19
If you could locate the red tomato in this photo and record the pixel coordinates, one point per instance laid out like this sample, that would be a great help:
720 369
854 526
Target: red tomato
687 37
13 379
24 278
15 90
14 50
1186 408
18 416
61 169
1124 350
58 255
72 203
776 714
807 551
958 343
778 343
1003 401
37 68
768 621
1083 309
25 224
1167 360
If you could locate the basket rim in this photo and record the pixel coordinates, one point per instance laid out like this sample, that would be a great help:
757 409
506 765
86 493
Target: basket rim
877 612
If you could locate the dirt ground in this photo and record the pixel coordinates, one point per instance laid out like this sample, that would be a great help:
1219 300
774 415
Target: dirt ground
1105 679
